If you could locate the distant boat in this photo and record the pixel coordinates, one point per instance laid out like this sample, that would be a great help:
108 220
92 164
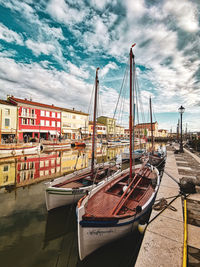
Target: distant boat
156 158
115 207
137 155
70 188
18 149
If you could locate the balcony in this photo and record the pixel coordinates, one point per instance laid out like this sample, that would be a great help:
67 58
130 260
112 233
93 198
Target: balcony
30 116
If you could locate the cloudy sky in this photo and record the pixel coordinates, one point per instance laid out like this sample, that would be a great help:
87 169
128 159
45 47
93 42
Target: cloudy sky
49 51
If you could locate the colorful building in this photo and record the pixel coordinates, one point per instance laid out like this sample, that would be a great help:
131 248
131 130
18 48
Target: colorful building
8 121
74 124
119 131
144 129
36 120
110 124
163 133
101 131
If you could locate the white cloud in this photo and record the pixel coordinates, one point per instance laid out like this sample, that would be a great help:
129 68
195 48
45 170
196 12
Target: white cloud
185 13
105 70
40 48
62 12
79 72
10 36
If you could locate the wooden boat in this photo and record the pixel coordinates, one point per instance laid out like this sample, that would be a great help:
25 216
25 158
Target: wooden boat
137 155
115 208
49 146
18 149
70 188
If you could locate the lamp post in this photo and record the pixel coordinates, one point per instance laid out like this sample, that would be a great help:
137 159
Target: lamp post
181 111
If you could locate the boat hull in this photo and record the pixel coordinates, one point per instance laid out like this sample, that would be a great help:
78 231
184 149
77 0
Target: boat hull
94 234
57 197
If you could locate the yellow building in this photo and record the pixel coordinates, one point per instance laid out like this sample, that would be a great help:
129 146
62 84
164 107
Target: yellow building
8 120
74 124
119 131
110 124
100 129
7 173
163 133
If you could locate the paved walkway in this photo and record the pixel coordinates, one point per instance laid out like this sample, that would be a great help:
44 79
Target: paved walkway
163 240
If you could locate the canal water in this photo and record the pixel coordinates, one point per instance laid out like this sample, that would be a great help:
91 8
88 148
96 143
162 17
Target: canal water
29 235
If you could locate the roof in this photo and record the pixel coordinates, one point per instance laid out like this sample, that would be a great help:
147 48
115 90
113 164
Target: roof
162 130
5 102
30 102
106 117
97 123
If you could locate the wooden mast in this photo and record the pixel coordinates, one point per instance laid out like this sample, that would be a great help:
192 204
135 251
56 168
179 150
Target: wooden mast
94 121
131 108
151 124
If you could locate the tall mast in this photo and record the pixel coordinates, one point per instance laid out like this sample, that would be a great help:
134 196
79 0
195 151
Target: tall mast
94 120
151 123
131 107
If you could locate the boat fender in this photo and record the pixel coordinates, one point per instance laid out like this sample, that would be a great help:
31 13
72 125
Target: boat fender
124 189
13 152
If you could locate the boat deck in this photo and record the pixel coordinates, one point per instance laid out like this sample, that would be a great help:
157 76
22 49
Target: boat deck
103 203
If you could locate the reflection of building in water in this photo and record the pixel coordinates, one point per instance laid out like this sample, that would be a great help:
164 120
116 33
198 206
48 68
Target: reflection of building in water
73 159
31 168
7 173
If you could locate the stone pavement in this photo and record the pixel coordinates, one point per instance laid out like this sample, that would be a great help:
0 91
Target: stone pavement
163 240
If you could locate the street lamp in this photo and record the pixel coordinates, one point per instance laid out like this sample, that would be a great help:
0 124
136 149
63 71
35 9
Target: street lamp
181 111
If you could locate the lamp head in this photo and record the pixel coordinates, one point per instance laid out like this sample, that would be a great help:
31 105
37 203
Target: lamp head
181 110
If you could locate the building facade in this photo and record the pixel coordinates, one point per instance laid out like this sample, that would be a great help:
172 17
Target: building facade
144 129
8 121
74 124
36 120
119 131
110 124
101 131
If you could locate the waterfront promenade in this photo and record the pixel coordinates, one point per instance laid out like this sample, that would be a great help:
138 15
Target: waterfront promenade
163 240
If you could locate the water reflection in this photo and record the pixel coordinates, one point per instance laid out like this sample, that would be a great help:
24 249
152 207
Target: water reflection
30 169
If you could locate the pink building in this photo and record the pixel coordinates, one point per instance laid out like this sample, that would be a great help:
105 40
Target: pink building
36 120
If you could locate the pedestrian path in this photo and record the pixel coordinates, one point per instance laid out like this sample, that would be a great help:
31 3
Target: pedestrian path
163 240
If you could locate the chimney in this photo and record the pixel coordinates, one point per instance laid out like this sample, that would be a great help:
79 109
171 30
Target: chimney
8 96
73 108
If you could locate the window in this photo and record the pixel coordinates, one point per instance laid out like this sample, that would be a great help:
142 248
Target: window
7 122
42 113
41 163
53 114
52 162
58 124
47 114
46 163
7 111
33 112
46 172
5 178
24 111
53 123
58 115
42 122
5 168
32 122
47 123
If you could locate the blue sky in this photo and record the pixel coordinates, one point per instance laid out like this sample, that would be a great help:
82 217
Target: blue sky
49 51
